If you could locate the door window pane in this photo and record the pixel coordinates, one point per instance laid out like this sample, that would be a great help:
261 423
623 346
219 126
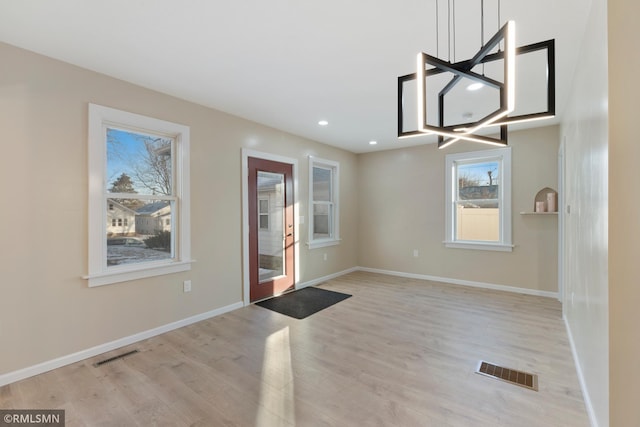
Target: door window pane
271 204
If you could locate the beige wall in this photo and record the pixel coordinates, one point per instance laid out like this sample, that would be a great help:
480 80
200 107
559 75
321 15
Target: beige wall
624 222
401 202
584 132
46 309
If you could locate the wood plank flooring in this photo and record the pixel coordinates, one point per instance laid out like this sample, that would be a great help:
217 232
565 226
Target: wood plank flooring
400 352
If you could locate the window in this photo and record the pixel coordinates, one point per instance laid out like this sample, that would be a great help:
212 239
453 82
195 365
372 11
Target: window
263 214
478 204
323 206
139 167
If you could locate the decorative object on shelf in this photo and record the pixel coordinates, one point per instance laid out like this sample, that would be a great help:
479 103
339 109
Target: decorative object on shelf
546 201
552 202
463 71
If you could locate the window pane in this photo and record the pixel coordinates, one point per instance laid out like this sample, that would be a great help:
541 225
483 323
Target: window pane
321 185
481 223
477 208
478 181
271 251
143 231
321 220
138 163
263 206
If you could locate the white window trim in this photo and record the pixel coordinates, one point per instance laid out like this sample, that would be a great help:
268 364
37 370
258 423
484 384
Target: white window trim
335 167
505 244
99 118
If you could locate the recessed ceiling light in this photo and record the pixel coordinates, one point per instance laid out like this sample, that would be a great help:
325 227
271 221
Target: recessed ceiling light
323 122
475 86
373 142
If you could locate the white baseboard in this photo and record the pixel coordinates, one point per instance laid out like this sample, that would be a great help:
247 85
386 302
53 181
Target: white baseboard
471 283
319 280
583 385
103 348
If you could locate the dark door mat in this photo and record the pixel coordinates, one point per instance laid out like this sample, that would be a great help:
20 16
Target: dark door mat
304 302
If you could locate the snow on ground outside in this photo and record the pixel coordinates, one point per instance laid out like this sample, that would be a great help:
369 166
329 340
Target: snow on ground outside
120 254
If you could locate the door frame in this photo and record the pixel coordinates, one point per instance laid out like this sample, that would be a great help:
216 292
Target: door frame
562 191
246 153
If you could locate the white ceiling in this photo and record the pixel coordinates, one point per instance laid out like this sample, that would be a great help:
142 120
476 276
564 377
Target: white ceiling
284 63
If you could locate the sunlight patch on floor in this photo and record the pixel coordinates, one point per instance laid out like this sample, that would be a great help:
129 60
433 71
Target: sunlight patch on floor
277 393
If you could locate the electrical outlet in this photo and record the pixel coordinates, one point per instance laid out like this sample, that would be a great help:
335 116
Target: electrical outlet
186 286
415 253
325 257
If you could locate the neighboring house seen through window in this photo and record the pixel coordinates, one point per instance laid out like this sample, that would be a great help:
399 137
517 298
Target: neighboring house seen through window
139 180
263 214
478 200
324 222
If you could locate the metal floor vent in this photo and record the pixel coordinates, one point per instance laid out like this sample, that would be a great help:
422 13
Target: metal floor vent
523 379
114 358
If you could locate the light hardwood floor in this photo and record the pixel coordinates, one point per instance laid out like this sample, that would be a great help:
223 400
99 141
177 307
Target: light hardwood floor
400 352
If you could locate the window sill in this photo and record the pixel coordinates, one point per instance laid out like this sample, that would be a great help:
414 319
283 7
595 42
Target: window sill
500 247
538 213
111 277
323 243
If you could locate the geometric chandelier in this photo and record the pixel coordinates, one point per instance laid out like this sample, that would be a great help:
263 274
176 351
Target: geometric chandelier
502 116
506 88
